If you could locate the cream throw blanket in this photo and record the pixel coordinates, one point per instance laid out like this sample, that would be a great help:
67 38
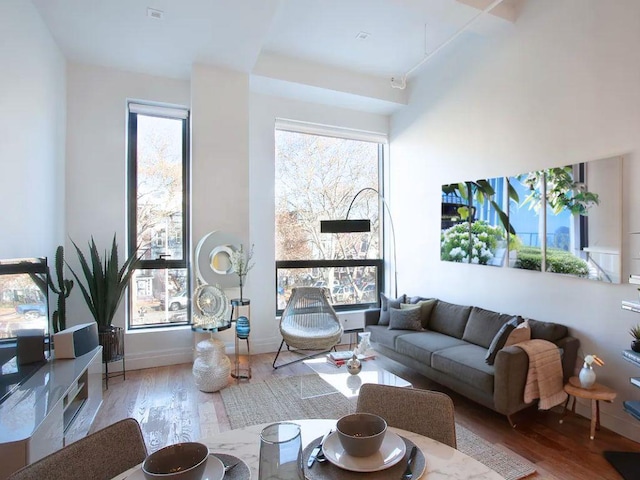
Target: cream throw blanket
544 378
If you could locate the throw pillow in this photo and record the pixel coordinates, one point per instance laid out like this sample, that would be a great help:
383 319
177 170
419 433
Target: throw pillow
500 339
426 306
404 319
521 334
385 304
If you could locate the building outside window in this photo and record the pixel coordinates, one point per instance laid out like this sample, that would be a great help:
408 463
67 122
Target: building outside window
158 213
318 172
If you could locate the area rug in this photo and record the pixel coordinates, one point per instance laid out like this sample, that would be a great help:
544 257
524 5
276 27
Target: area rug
626 463
308 396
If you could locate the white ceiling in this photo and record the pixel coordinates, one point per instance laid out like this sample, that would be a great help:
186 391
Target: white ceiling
234 33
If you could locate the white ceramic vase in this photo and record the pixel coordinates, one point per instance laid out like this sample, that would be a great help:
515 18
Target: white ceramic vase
587 376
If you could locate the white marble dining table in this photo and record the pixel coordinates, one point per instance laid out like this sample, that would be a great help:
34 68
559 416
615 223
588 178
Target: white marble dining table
442 461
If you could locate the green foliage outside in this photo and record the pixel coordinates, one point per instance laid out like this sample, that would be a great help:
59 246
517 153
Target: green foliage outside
558 261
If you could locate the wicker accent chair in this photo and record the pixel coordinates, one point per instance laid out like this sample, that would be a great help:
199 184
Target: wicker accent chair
99 456
432 413
309 322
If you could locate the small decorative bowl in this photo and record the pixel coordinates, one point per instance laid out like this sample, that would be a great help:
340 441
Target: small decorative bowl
361 434
182 461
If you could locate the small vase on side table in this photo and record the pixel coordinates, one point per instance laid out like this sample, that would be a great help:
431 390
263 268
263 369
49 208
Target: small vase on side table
243 328
587 376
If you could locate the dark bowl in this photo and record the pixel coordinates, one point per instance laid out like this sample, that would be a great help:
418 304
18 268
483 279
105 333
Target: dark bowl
361 434
182 461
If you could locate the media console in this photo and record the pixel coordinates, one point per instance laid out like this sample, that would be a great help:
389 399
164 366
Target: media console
54 407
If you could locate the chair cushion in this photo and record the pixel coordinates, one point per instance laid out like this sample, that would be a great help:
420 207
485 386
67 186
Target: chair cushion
500 339
466 364
421 345
449 318
385 304
405 319
483 325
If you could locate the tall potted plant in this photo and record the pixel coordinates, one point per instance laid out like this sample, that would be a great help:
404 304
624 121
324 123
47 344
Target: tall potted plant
103 289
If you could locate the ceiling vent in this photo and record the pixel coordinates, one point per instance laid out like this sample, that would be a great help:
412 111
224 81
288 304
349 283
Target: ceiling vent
154 13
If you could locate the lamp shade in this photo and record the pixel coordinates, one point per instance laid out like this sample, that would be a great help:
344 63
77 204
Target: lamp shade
345 226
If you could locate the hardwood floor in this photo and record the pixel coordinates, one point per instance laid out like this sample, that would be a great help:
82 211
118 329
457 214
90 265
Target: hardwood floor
171 409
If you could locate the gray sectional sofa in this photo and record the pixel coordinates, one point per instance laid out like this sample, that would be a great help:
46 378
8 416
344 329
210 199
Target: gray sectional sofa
452 345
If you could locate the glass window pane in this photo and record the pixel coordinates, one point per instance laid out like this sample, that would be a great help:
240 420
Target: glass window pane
347 285
160 187
316 179
23 305
160 297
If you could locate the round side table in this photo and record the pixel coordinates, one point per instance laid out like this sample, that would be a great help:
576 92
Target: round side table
596 393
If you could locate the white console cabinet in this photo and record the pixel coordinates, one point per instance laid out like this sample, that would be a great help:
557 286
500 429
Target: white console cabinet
52 408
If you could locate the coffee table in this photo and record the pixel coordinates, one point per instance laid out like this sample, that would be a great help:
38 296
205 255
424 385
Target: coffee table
349 385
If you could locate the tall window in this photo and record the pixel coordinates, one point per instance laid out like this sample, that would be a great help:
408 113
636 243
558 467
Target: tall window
317 176
158 214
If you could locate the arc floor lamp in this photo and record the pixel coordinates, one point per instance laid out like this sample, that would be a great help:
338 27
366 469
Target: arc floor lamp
363 225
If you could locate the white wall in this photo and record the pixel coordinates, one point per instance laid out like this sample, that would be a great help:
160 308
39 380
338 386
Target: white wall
559 87
232 179
96 160
32 129
264 110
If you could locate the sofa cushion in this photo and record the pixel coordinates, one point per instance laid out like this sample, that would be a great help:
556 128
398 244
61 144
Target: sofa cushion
421 345
405 319
466 364
449 319
385 304
483 325
382 335
426 307
547 330
500 339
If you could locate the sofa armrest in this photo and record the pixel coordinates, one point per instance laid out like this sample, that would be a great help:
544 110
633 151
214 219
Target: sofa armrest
511 366
570 346
371 316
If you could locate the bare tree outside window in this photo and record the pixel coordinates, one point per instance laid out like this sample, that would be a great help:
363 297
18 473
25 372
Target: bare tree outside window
158 169
316 177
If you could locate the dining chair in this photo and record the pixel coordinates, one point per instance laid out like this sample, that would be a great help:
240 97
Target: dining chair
427 413
99 456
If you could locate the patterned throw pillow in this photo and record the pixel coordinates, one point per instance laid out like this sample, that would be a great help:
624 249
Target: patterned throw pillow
426 306
405 319
500 339
385 304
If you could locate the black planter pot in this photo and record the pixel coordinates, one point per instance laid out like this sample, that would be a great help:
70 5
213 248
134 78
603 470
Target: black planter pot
635 346
112 341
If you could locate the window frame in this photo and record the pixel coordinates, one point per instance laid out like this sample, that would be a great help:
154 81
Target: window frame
378 263
132 211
